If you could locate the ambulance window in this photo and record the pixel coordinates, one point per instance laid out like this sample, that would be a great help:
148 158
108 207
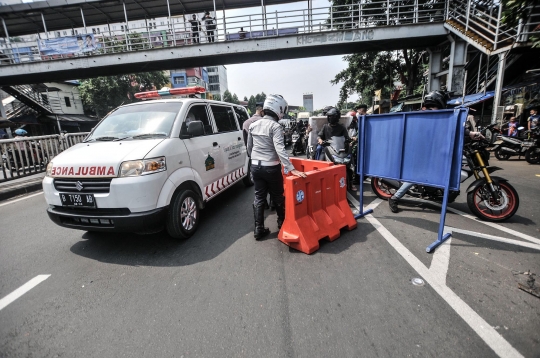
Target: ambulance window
242 115
224 118
198 113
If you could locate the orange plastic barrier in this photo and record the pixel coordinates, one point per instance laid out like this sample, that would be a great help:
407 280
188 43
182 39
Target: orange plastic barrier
315 208
305 165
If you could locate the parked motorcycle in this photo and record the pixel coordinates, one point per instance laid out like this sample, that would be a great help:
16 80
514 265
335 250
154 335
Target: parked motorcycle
297 142
489 197
532 155
509 147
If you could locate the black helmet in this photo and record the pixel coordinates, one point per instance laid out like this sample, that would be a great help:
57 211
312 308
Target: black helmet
325 110
436 99
333 115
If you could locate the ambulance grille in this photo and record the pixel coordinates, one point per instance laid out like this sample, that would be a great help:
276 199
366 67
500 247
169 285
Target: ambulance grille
94 186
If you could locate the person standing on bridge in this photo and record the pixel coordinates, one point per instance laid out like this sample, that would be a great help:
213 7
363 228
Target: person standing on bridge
195 27
210 26
266 149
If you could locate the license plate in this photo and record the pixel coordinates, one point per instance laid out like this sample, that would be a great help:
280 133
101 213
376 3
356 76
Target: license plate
78 200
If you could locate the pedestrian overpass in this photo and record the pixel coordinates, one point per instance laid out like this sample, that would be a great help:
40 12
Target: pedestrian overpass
255 35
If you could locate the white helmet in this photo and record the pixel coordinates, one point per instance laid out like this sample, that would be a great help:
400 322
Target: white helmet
277 104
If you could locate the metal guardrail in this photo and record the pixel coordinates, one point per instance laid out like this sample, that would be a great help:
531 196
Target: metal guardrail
74 138
258 25
26 156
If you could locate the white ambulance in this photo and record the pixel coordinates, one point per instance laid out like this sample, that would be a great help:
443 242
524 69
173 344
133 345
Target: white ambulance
149 165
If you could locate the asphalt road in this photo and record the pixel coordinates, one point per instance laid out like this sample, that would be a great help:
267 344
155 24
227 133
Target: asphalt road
223 294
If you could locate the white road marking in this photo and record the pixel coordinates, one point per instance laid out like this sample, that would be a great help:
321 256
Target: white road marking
23 198
22 290
488 334
496 238
468 216
441 260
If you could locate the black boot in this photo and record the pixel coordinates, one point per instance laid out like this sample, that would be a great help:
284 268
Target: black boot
393 204
260 230
280 211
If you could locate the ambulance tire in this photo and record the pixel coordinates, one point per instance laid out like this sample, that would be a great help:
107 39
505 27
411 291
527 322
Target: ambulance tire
248 179
184 203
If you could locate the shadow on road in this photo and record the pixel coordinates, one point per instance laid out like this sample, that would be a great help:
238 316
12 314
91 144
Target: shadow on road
225 219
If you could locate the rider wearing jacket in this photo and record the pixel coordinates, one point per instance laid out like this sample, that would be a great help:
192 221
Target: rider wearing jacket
266 149
434 100
332 129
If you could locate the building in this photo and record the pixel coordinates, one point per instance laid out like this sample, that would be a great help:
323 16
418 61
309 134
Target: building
308 102
189 77
217 80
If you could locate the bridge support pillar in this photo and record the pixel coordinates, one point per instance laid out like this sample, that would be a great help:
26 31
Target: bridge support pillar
435 58
498 87
456 70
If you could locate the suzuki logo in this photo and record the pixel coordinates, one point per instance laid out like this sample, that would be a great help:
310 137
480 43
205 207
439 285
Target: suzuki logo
79 186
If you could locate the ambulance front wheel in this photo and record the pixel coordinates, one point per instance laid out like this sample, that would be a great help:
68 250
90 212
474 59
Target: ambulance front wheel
184 215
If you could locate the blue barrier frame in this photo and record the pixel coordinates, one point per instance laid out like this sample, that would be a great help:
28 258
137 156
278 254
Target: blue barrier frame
446 158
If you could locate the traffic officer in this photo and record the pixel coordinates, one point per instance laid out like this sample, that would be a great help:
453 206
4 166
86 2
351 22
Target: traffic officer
266 149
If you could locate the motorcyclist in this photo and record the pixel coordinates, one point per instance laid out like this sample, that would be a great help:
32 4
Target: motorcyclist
266 148
434 100
332 129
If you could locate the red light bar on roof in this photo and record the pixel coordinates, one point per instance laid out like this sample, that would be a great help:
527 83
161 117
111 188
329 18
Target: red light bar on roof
170 92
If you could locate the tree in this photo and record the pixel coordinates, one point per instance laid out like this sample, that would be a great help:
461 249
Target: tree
216 97
235 99
516 10
103 94
245 98
252 104
372 71
227 97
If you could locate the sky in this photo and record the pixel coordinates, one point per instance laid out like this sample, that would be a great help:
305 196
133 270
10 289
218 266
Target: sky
289 78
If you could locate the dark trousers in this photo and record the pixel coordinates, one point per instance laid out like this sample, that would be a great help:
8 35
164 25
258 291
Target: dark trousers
195 36
210 35
267 179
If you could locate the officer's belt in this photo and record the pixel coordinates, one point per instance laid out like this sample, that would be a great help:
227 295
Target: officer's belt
263 163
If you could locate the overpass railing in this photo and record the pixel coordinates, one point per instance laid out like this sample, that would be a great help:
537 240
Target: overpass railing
27 156
257 25
483 19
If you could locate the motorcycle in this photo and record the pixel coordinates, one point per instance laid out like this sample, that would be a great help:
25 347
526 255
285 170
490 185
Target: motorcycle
297 142
490 198
32 156
509 147
335 151
532 155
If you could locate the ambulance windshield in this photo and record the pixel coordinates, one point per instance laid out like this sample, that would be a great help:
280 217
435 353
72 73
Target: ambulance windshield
143 121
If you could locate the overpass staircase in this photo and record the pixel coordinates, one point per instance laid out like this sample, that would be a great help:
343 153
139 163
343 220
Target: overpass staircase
479 23
30 97
482 73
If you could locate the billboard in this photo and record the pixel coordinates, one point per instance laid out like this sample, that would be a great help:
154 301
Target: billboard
67 45
308 102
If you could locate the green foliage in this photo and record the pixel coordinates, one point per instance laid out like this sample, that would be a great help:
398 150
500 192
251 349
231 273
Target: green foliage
103 94
371 71
516 10
251 104
217 97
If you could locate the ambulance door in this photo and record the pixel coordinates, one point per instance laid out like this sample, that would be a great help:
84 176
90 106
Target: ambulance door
230 137
204 151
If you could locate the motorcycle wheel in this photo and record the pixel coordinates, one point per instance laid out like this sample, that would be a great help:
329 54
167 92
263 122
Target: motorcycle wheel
499 154
380 189
481 203
532 156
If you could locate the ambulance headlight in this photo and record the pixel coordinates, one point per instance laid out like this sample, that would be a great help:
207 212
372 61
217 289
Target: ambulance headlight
135 168
49 169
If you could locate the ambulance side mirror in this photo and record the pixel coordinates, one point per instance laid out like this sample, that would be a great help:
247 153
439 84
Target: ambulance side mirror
194 129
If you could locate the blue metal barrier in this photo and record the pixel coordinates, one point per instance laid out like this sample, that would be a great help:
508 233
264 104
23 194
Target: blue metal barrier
418 147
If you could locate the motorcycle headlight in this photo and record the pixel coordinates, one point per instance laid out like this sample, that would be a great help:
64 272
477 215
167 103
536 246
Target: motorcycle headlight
134 168
49 169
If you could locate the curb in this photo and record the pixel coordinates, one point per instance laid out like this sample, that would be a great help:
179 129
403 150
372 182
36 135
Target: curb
20 191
